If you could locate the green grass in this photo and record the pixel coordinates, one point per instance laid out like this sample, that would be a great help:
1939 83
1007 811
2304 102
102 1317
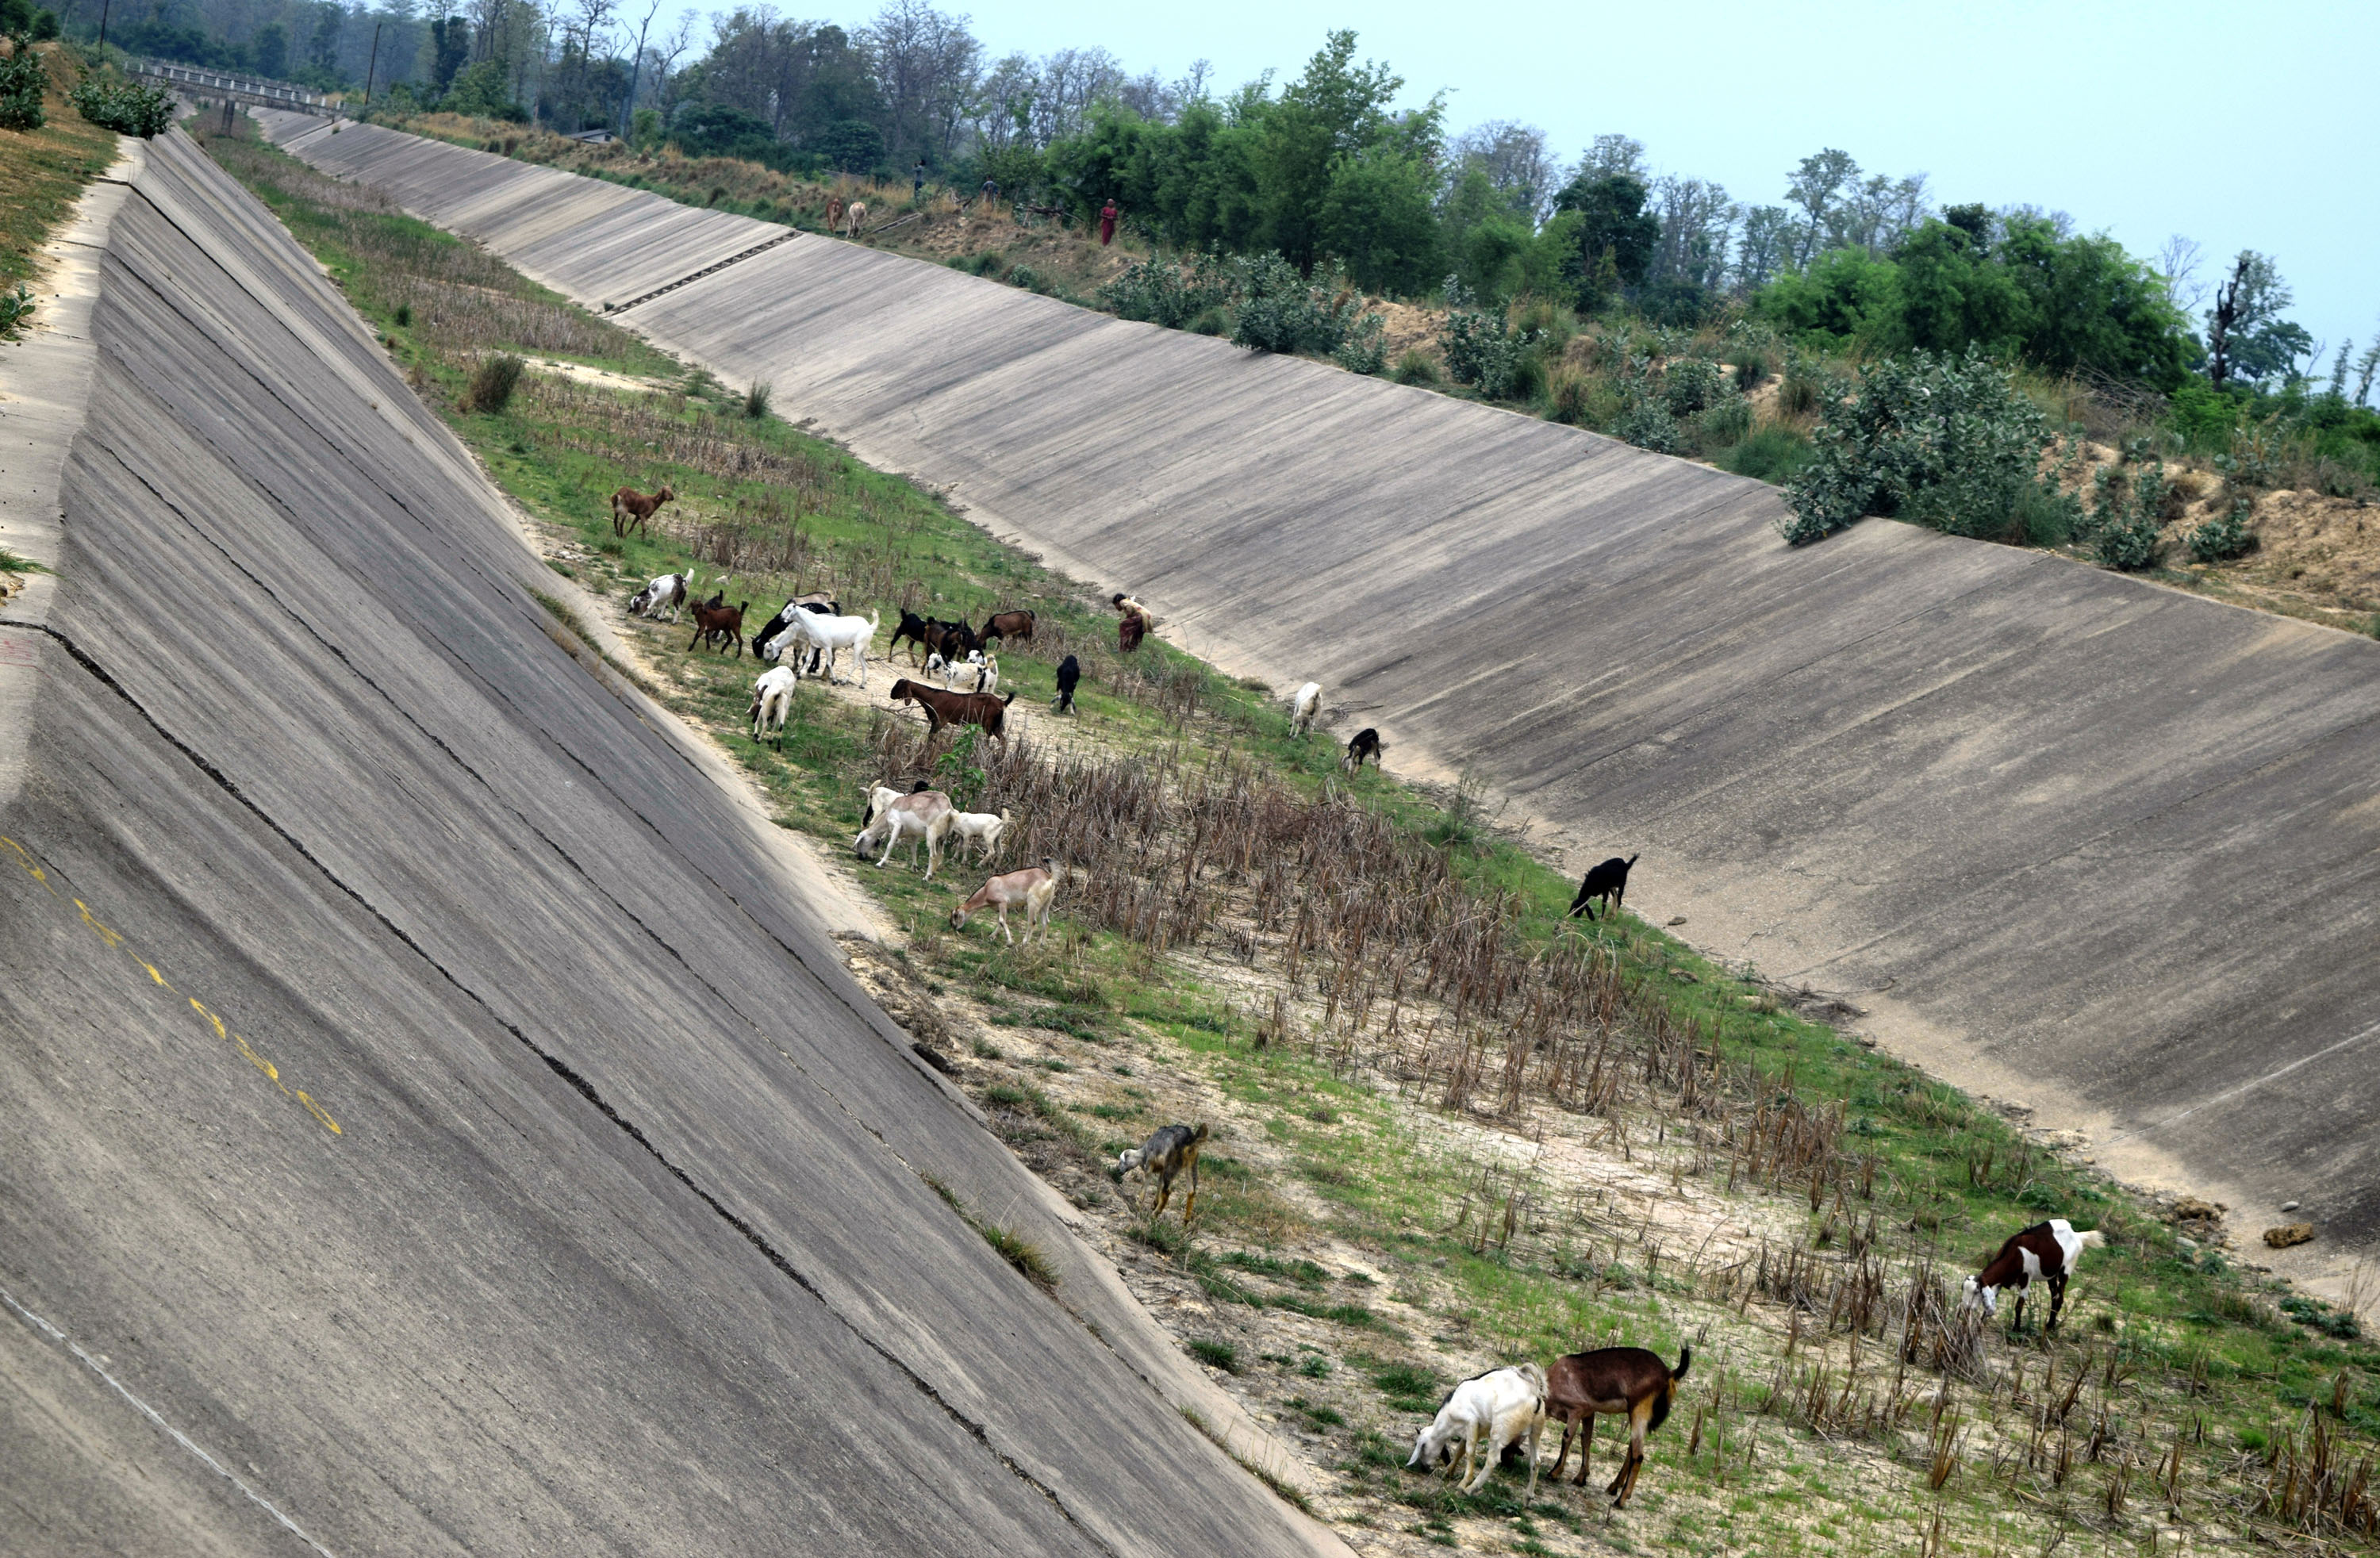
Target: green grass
2177 1336
42 172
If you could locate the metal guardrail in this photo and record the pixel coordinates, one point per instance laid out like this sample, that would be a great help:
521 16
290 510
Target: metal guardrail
198 80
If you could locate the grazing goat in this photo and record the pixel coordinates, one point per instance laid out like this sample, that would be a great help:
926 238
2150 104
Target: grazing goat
1304 704
666 594
723 623
956 708
919 815
834 213
2047 1250
1169 1150
981 828
1007 625
1608 882
1034 887
1627 1381
1366 743
818 603
631 509
829 634
1485 1414
1070 672
854 218
772 700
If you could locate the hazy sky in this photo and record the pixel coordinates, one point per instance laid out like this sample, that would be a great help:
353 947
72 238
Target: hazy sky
2239 125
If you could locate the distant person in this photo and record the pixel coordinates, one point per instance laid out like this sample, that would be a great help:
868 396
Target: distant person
1107 223
989 196
917 180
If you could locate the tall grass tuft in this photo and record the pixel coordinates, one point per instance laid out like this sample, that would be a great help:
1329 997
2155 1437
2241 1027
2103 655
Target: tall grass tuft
492 387
756 400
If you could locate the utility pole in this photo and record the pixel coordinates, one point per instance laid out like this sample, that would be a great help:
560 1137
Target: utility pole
372 63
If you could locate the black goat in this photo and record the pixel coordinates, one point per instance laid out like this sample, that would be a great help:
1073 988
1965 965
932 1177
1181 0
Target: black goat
1608 882
1070 671
913 627
1366 743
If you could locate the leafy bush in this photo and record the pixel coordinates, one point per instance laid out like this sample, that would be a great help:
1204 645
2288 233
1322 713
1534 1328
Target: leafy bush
1648 425
2126 517
1725 424
492 387
1481 349
122 106
1366 349
1281 311
1692 384
2225 537
1170 292
1415 368
22 80
16 307
1935 439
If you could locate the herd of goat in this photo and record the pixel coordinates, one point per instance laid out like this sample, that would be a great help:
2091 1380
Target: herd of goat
1486 1417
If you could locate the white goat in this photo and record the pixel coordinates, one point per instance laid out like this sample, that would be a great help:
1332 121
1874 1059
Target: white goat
855 217
1304 704
1034 887
987 672
980 828
924 815
828 634
772 700
667 594
1487 1412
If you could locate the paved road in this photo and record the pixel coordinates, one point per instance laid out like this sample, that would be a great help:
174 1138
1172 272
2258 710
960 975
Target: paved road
2072 838
434 1122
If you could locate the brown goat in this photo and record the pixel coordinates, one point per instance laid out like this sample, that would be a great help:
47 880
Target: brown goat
834 213
631 509
956 708
1628 1382
1008 627
719 622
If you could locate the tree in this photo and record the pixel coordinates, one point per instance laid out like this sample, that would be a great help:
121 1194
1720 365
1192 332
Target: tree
1816 187
268 53
1763 246
925 67
2246 337
1952 296
1613 222
1513 159
2090 306
1376 216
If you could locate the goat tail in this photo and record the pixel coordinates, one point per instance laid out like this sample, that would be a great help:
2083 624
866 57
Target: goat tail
1686 1361
1634 858
1007 701
1200 1133
2093 1238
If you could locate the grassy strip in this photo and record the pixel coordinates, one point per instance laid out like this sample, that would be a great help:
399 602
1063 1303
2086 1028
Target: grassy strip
43 171
2180 1348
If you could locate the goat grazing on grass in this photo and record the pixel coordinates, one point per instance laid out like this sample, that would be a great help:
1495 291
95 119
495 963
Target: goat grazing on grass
1366 744
1608 882
919 816
667 594
1070 674
1034 887
828 635
834 213
722 624
1304 704
772 700
2046 1251
855 219
956 708
1627 1381
1480 1419
1007 627
980 828
818 603
1170 1151
632 510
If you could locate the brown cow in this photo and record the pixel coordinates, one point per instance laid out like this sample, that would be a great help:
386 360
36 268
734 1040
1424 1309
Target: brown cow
719 622
956 708
631 509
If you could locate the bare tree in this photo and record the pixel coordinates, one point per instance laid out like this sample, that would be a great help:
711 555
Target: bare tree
1515 157
1696 222
1610 154
2365 367
925 66
2177 262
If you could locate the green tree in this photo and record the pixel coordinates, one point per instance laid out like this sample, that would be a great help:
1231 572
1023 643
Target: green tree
1843 296
1612 220
1951 295
2088 305
1376 216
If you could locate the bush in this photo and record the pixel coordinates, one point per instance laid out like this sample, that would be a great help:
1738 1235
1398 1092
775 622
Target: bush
1415 368
1281 311
1648 425
1167 291
22 81
1773 454
1752 372
1366 349
2226 537
756 400
1481 349
16 307
1937 440
1725 424
492 387
1691 385
122 106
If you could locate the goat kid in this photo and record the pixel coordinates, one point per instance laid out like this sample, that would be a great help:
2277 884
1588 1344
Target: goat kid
632 510
1485 1414
980 828
919 816
1608 882
724 624
1626 1382
1033 887
2046 1251
1169 1150
772 700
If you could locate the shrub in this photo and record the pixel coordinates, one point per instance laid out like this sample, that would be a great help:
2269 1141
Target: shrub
2126 517
1648 425
1691 385
1364 350
1567 397
1024 276
1937 440
1725 424
756 400
1752 372
403 316
22 81
1219 1355
1167 291
1281 311
2225 537
1415 368
492 387
1481 349
122 106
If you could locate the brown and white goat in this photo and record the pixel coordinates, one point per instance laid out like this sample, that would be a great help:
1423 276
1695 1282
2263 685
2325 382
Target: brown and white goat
1627 1381
921 815
1169 1150
1034 888
632 509
2047 1251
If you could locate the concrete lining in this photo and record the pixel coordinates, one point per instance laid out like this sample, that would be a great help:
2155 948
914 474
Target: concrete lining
435 1123
2072 838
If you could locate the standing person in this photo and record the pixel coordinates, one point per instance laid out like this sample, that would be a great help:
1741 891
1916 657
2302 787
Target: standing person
991 197
917 180
1107 223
